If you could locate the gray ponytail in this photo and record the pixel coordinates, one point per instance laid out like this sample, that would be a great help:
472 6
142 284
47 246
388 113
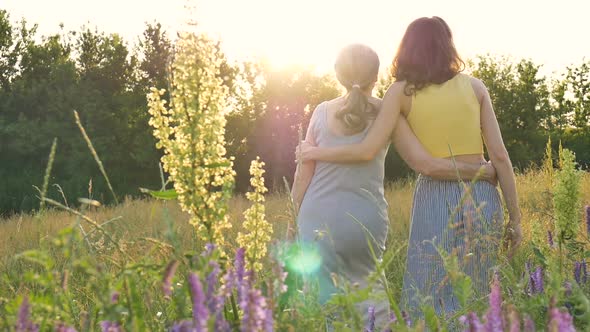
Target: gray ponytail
357 67
357 110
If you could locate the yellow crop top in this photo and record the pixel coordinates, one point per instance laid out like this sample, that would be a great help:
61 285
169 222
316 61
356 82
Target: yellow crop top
446 118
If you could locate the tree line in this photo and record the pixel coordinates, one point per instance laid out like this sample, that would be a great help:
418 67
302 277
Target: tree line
105 78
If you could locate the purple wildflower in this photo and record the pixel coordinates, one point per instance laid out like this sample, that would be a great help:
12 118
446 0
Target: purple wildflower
213 302
229 282
167 279
529 325
472 323
240 264
527 268
269 322
114 297
61 327
200 313
253 306
493 317
578 272
406 318
568 288
23 314
560 321
514 321
392 318
221 325
24 324
108 326
392 321
209 248
587 208
537 281
371 324
550 239
280 277
584 272
240 270
567 322
183 326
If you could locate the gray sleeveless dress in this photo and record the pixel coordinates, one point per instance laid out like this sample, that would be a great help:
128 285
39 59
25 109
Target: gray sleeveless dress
342 204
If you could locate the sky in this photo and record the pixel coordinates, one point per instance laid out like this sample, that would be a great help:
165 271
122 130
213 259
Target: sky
311 32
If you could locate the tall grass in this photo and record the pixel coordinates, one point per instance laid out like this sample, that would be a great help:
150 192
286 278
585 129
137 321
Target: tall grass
142 220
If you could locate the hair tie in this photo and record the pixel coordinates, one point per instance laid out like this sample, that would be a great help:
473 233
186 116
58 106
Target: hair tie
356 86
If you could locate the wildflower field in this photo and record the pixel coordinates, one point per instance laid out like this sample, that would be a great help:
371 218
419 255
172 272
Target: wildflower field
193 256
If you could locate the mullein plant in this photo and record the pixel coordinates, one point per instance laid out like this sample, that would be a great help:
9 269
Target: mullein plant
257 231
190 131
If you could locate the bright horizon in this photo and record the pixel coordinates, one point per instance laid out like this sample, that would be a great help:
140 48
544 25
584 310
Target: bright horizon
311 32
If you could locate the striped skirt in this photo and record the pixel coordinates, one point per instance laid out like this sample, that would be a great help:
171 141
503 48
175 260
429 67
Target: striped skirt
449 218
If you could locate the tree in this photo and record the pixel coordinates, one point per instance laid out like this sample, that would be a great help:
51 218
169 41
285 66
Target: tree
578 83
521 102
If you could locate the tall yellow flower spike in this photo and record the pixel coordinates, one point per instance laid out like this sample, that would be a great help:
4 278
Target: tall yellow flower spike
257 229
191 133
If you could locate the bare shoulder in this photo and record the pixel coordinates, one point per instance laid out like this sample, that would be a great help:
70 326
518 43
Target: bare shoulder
478 87
396 89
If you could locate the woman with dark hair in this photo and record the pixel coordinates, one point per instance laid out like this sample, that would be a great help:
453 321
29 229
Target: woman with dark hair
340 202
449 112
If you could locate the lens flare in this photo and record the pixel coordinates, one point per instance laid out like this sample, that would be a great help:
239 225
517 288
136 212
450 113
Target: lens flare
303 258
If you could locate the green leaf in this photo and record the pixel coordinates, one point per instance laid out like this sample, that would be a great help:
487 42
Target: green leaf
540 256
463 289
161 194
37 256
431 319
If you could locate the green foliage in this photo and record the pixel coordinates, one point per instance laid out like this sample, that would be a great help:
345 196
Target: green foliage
44 78
566 199
521 102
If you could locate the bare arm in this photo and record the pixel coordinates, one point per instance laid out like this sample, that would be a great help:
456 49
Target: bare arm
303 176
415 155
304 171
405 142
499 157
377 137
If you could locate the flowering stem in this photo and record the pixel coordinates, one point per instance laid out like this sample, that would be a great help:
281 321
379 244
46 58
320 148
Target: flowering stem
234 308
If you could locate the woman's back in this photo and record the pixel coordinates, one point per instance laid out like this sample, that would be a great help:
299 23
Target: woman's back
446 118
343 202
363 178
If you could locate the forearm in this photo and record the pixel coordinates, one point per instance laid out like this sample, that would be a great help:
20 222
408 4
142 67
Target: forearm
444 169
341 154
508 185
303 176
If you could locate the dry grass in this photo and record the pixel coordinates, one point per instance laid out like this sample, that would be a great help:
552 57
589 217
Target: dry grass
146 219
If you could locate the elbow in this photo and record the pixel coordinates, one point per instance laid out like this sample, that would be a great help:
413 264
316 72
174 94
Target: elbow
367 154
426 169
423 166
500 157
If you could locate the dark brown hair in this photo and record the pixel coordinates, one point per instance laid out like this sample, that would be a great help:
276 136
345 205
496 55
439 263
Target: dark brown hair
426 55
357 67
